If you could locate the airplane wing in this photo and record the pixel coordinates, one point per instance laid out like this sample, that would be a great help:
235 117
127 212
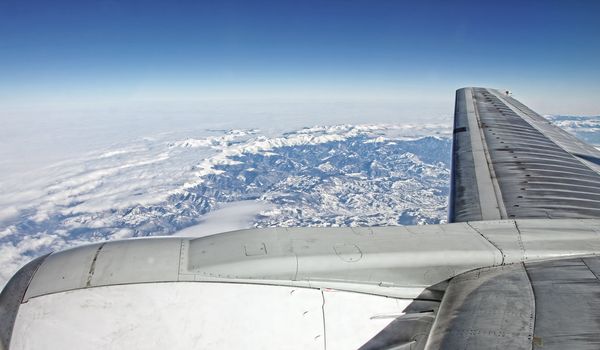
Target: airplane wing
509 162
516 267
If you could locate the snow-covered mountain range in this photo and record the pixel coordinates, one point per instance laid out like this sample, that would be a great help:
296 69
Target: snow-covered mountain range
586 128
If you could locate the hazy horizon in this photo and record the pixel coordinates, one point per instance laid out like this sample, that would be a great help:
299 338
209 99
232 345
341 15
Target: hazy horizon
64 56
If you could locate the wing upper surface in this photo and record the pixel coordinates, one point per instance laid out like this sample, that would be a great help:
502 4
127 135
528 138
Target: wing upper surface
509 162
536 305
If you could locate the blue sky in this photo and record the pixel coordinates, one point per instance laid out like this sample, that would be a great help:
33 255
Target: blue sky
65 54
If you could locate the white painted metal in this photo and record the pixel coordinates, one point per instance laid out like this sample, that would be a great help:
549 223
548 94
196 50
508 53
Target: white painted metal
172 316
200 316
352 319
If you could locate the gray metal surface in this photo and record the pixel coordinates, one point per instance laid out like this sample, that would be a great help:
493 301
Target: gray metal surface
393 261
540 239
540 305
389 261
490 308
567 303
464 195
537 170
566 141
64 270
11 298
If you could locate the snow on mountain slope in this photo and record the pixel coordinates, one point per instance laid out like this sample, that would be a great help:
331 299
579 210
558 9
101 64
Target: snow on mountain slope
586 128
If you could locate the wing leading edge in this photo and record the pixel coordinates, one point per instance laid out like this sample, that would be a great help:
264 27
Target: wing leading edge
511 163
